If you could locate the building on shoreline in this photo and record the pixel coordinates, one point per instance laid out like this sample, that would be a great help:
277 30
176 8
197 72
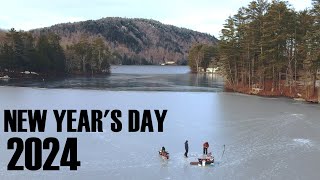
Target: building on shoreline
168 63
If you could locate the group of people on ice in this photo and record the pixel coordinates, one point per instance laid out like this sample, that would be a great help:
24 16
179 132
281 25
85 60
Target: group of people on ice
186 146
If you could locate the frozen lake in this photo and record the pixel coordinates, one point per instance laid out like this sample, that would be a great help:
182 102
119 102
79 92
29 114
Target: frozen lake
265 138
133 78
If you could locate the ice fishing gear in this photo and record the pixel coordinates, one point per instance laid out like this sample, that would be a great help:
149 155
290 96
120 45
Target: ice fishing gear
205 160
224 148
164 154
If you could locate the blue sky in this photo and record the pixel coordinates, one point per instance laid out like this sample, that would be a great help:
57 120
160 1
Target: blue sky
201 15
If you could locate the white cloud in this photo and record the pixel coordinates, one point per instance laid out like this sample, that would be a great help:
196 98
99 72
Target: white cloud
30 21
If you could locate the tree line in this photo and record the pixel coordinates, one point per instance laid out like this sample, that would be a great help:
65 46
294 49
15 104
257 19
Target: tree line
270 45
23 51
201 56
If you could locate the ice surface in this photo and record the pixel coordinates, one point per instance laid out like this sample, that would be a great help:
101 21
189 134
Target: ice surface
133 78
264 138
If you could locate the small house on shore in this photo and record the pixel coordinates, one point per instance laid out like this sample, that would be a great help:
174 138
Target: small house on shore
168 63
212 70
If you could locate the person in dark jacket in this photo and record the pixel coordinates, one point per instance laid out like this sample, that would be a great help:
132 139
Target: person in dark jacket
163 149
186 147
205 148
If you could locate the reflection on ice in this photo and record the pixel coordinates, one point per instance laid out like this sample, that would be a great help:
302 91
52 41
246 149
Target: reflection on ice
134 78
303 142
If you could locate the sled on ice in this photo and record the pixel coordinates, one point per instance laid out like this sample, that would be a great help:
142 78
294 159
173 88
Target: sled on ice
164 155
205 160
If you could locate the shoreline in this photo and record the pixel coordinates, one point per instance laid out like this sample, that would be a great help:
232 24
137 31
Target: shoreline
35 75
272 94
292 93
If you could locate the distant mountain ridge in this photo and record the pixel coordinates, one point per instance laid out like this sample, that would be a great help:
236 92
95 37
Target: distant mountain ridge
134 41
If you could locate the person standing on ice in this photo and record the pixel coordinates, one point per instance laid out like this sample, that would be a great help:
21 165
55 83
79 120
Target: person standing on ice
205 148
163 149
186 147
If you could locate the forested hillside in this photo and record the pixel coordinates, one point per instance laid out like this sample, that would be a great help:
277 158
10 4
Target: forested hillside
133 41
89 47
